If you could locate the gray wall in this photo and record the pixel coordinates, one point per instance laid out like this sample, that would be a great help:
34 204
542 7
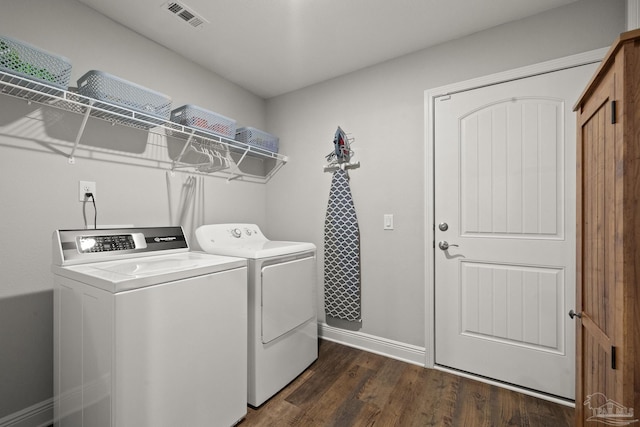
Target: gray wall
40 189
633 14
383 108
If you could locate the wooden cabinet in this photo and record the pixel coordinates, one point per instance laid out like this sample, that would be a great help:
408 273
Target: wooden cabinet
608 240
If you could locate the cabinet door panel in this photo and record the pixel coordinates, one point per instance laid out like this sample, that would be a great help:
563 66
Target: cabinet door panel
596 275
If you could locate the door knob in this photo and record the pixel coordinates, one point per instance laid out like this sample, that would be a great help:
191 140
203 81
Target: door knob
444 245
443 226
573 314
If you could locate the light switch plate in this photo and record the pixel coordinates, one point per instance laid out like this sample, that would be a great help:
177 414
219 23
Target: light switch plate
388 221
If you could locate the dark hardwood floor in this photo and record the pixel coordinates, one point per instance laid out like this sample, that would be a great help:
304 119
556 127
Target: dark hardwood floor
348 387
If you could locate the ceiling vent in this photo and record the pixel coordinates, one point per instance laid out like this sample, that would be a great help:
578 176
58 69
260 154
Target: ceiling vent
185 13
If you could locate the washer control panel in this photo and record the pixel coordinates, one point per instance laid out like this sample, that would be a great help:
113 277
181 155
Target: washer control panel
109 243
81 246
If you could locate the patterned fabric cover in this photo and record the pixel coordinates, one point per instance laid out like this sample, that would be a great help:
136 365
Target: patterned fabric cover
341 252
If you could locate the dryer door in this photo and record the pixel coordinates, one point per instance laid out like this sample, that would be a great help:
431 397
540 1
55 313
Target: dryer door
288 296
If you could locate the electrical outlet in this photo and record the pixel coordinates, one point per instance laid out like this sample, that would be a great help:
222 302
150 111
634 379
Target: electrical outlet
86 187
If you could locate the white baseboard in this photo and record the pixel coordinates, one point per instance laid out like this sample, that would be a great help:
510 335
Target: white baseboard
373 344
40 414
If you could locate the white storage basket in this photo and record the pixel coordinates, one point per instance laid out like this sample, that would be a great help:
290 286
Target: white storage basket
114 90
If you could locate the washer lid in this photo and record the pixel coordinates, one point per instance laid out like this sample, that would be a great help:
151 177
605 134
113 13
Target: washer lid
133 273
245 240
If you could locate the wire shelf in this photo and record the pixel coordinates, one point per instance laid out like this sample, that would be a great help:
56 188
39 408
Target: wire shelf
67 100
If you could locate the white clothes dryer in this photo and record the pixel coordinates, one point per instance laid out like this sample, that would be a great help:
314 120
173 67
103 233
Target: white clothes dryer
283 331
146 332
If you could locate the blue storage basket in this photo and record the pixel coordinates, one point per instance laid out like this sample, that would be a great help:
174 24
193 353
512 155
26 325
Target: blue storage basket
199 118
257 138
114 90
23 60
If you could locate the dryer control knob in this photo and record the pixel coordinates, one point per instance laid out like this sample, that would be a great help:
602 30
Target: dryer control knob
236 232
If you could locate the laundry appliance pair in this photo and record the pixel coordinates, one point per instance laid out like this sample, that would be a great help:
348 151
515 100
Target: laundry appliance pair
148 332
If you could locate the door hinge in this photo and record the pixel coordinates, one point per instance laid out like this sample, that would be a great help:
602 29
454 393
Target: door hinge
613 112
613 357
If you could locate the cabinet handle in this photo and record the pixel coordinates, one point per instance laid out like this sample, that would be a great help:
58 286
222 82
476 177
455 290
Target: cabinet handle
613 357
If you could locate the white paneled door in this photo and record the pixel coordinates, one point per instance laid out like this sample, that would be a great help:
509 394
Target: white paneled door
504 179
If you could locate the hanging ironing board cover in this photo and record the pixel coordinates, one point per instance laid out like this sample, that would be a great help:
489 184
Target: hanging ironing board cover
341 252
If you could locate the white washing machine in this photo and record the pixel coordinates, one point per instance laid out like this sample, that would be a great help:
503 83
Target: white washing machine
283 331
146 332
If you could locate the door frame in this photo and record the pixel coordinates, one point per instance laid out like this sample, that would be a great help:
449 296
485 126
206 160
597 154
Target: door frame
430 97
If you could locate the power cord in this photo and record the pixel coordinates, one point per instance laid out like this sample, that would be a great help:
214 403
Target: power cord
95 210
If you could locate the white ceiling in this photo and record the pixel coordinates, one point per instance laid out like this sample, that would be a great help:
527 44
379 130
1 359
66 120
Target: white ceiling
271 47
